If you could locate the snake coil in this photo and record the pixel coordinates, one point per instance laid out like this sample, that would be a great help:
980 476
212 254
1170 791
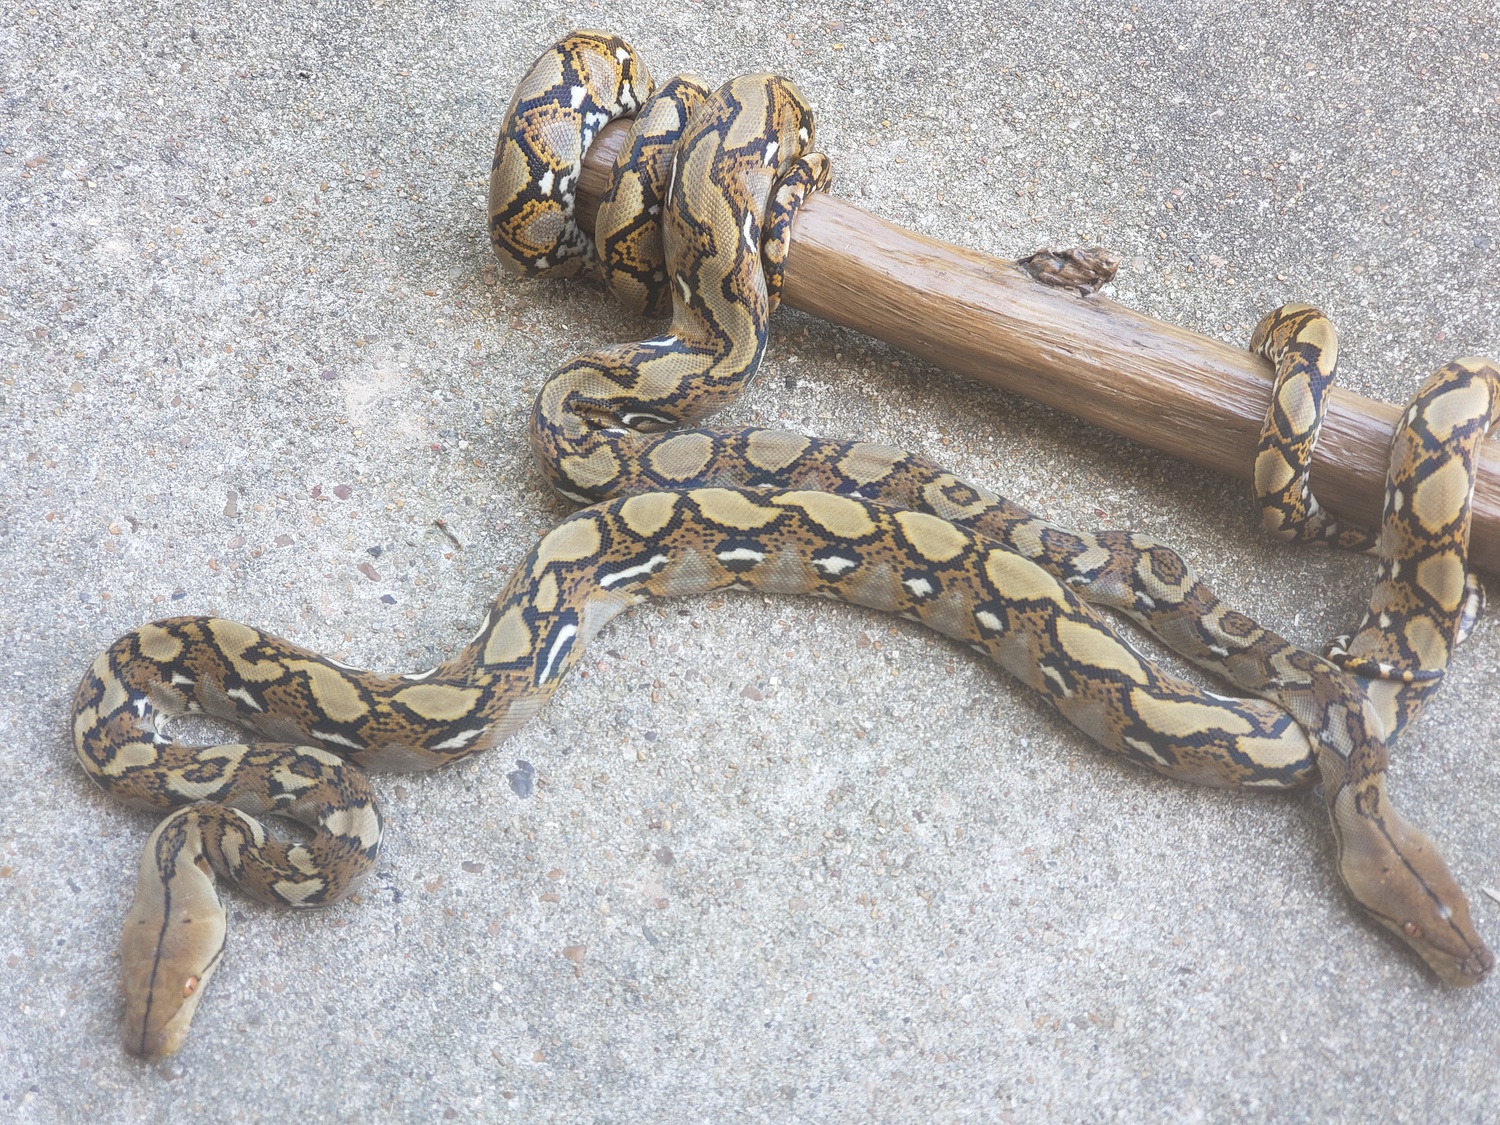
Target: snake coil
698 221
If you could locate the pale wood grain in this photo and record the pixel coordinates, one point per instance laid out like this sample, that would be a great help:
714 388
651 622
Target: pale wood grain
1171 389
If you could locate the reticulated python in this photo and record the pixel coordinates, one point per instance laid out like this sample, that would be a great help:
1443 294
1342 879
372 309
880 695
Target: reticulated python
701 509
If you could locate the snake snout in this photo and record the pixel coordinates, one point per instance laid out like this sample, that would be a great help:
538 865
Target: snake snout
1456 969
1394 870
1448 943
1477 964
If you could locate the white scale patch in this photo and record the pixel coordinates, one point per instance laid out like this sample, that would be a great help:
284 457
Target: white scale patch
564 636
918 586
747 233
741 554
1147 749
341 664
648 567
182 681
545 183
578 93
989 621
771 150
1056 677
245 697
639 416
835 564
461 739
337 739
141 703
686 289
419 675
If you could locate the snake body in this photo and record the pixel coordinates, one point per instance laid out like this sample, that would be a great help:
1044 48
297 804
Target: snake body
698 509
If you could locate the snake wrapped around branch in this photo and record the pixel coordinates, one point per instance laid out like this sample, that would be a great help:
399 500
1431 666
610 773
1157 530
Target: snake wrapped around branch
697 222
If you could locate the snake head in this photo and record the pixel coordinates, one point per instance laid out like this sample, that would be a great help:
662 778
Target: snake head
173 939
1395 872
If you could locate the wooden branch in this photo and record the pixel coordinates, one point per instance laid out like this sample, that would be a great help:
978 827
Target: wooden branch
1174 390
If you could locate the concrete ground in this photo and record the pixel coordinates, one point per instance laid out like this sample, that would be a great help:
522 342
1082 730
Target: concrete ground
770 860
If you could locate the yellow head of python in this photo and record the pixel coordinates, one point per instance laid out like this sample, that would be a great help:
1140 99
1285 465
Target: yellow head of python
1395 872
173 939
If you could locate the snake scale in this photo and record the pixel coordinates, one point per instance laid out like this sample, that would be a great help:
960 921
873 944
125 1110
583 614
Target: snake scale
697 222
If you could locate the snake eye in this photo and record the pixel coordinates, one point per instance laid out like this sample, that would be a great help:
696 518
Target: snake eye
189 987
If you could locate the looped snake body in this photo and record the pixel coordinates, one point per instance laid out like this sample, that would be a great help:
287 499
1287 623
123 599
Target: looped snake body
698 221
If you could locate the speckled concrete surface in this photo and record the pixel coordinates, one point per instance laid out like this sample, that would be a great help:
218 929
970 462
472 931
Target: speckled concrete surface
770 860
